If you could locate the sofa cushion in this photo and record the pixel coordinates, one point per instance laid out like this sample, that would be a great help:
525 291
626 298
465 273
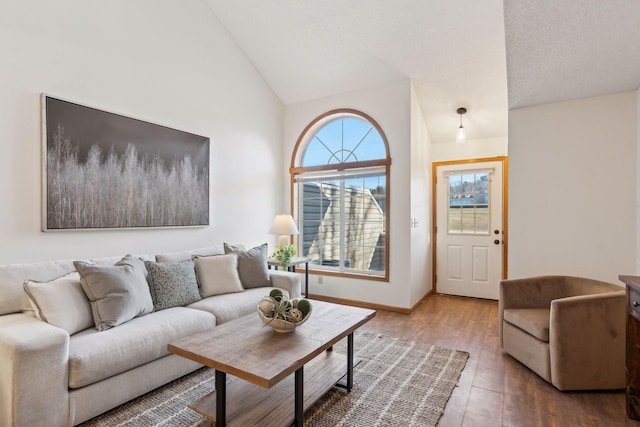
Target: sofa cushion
188 254
534 321
61 302
117 293
252 265
94 356
218 274
172 284
232 306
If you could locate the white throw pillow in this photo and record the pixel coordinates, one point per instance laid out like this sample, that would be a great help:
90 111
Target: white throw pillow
218 274
61 302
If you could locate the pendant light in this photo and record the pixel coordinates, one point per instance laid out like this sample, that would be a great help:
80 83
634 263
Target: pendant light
461 136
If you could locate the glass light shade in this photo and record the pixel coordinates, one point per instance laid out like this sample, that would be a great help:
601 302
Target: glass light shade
461 136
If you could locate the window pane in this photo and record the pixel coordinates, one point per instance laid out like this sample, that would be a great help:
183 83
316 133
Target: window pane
346 208
344 140
468 211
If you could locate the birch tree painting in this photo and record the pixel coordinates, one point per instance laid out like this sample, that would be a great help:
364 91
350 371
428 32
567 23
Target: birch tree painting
108 171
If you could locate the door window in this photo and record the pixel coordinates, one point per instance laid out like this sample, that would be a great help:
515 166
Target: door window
468 211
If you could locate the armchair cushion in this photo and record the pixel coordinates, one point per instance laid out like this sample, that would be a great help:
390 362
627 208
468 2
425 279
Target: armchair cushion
534 321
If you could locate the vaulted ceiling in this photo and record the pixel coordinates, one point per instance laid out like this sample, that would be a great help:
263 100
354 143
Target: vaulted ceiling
487 56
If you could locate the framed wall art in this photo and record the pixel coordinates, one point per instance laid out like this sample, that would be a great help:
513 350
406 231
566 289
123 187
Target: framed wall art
106 171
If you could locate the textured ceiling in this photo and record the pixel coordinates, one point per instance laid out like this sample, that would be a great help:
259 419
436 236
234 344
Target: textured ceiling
453 50
561 50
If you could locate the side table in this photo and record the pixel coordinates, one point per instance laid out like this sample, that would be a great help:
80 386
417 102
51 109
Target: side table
291 266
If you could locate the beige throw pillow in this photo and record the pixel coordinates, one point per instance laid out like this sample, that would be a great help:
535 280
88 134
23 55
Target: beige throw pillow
117 293
218 274
61 302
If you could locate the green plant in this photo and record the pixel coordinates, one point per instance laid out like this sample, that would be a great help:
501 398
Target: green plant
284 254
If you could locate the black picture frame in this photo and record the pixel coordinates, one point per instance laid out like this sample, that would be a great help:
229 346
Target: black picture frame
103 170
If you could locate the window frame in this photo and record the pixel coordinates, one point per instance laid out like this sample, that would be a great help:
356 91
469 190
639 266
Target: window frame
296 159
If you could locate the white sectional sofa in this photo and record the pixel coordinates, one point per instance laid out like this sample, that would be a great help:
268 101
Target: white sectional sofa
51 377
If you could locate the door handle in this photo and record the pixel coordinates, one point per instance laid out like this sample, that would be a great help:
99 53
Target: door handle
496 242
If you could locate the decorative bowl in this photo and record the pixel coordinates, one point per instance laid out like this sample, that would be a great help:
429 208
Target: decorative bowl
281 325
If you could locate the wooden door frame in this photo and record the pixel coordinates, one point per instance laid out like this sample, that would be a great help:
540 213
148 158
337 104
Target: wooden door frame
434 212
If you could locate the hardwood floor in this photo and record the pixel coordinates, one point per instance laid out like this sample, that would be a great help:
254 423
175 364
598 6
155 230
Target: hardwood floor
495 389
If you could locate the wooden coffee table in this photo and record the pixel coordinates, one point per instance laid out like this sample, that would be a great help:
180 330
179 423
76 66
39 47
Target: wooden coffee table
265 360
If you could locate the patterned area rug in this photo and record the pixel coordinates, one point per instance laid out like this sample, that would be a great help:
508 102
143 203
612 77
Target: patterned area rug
397 382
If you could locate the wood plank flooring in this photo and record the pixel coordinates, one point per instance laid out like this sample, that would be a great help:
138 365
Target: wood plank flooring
495 389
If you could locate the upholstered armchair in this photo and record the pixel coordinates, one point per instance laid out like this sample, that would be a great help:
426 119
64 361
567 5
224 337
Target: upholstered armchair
568 330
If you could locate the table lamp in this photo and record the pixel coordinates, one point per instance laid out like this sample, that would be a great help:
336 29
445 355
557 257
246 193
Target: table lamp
283 226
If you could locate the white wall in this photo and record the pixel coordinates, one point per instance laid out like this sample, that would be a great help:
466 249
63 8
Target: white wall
572 188
390 106
166 62
471 149
420 253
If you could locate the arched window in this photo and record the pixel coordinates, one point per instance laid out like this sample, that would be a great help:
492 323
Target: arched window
340 177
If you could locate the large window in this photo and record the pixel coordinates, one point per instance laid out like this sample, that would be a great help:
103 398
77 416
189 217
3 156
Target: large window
340 175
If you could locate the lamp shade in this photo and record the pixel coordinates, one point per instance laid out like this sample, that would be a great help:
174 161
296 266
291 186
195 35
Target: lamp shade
283 225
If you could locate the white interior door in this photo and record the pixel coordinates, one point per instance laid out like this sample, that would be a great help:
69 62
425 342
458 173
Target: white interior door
469 233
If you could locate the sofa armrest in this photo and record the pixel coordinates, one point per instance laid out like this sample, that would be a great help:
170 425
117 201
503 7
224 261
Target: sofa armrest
34 372
291 282
587 341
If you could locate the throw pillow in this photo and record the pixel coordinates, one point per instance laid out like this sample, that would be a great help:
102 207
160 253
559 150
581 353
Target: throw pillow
61 302
172 284
117 293
218 274
252 265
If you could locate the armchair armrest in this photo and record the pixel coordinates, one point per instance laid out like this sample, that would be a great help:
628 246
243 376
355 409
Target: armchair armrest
34 372
291 282
587 341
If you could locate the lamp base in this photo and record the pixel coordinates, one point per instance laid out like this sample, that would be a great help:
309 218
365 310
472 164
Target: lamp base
283 241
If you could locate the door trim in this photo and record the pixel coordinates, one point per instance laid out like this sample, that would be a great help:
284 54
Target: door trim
434 211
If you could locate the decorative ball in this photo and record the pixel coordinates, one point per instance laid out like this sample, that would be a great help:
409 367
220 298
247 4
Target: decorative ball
266 306
304 305
295 315
276 294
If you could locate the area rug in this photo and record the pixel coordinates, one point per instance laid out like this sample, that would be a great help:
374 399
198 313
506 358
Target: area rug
397 382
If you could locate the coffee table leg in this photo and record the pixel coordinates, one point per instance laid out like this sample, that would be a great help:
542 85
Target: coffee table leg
349 362
299 398
221 398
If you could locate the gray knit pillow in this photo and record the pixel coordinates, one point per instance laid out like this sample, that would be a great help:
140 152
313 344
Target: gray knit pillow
172 284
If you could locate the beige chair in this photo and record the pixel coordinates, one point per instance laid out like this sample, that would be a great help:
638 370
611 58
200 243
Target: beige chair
568 330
